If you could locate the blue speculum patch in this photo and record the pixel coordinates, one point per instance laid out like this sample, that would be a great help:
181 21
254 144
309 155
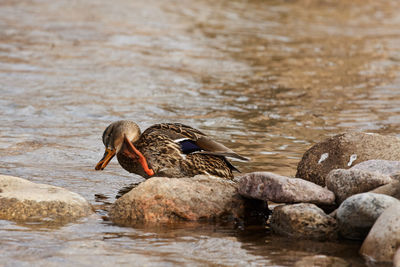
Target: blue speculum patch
189 146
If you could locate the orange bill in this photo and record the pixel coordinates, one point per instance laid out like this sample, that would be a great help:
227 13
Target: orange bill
142 159
108 155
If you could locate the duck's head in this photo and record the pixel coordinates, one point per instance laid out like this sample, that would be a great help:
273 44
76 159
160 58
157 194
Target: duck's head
113 138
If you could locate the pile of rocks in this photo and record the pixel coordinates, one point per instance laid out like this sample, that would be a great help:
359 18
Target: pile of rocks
347 186
355 174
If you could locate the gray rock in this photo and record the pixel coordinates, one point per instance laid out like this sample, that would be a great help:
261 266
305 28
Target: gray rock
392 189
345 183
268 186
357 214
321 260
384 238
22 200
344 151
171 199
303 220
388 167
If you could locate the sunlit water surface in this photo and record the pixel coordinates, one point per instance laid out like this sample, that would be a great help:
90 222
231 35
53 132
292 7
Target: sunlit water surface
266 78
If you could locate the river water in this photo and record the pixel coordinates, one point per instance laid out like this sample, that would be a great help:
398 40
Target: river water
266 78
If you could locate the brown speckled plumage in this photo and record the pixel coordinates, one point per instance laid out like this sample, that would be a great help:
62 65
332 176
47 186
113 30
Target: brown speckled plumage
160 145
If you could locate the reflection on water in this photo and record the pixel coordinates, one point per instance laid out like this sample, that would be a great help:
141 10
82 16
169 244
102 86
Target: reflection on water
184 243
266 78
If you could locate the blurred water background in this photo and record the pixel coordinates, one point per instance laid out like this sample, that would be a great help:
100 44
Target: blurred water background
266 78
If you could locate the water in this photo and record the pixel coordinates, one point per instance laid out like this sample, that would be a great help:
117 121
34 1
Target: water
266 78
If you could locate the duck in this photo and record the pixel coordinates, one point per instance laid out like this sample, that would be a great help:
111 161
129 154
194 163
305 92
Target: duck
171 150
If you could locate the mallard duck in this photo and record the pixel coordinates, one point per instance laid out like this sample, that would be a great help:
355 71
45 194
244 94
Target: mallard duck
166 150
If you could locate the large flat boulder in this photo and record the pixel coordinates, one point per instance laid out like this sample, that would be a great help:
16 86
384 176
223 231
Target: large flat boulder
344 151
22 200
383 240
169 199
269 186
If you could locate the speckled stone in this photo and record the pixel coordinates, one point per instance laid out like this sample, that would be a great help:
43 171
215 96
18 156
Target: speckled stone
357 214
345 183
344 151
384 238
269 186
170 199
303 220
22 200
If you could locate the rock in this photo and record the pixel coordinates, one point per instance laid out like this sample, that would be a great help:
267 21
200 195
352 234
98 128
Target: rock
388 167
396 259
357 214
364 177
170 199
344 151
303 220
384 237
268 186
392 189
22 200
322 261
345 183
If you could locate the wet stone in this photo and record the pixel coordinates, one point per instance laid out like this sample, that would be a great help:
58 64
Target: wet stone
357 214
321 260
345 183
269 186
384 238
170 199
303 220
344 151
22 200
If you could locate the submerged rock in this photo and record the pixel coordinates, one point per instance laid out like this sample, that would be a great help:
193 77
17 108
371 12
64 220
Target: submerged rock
344 151
170 199
321 260
303 220
345 183
22 200
269 186
384 238
357 214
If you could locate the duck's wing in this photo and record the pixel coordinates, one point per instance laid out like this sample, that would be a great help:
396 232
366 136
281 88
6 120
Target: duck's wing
175 131
212 147
192 140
